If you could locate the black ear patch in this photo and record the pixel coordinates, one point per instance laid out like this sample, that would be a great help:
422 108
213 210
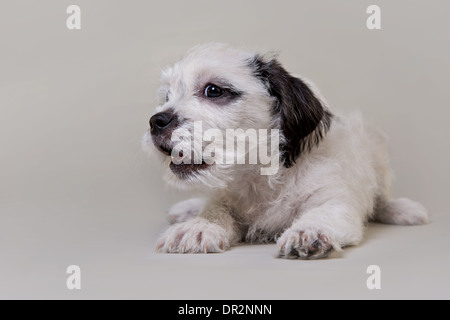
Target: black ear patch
303 119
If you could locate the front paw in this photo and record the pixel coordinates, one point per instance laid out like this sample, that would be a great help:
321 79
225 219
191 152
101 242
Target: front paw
304 243
194 236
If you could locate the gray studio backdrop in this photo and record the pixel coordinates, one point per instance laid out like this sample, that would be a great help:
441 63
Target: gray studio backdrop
75 188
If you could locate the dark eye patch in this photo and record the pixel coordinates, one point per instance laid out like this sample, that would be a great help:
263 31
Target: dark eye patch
219 92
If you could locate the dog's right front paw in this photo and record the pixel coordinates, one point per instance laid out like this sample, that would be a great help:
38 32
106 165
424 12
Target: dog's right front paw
194 236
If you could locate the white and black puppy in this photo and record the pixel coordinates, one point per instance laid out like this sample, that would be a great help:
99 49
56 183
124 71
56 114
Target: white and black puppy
333 175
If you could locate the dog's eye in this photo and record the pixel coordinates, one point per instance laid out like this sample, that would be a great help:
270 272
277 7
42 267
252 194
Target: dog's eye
213 91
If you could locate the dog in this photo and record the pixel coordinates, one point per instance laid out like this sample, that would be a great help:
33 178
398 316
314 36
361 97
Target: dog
333 176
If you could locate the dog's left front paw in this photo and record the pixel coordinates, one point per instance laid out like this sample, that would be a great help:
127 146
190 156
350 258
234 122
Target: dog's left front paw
304 243
194 236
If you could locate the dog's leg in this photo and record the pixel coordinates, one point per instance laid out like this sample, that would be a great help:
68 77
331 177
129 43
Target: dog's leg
186 210
214 230
320 230
401 211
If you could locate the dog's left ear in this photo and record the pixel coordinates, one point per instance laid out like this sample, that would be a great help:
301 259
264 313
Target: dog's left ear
303 119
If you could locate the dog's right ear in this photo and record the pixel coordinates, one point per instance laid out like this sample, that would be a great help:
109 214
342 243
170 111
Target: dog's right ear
303 119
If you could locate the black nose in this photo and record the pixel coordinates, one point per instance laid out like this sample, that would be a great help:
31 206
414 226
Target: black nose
160 121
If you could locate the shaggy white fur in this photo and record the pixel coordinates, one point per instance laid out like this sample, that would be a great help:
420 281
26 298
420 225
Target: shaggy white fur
324 192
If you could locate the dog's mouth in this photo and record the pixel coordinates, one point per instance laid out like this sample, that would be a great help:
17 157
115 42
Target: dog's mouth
164 148
184 170
177 165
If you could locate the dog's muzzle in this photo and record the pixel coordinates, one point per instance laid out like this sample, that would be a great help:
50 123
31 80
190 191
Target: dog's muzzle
162 126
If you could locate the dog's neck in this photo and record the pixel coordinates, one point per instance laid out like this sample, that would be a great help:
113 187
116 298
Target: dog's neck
250 189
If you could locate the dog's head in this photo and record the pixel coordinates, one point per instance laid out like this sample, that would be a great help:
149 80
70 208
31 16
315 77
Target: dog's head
215 89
